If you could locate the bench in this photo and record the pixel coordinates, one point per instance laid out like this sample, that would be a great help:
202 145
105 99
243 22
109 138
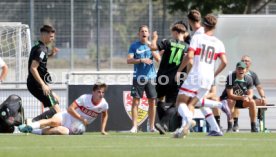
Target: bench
201 125
261 118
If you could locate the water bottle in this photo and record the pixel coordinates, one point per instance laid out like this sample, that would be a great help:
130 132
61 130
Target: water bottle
204 127
258 125
261 126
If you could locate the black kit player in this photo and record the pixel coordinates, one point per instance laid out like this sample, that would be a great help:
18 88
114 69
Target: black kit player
38 77
172 51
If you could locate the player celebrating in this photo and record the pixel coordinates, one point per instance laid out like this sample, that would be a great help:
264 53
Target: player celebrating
80 113
203 52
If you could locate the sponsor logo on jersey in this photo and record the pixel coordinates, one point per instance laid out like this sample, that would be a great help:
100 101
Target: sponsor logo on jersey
42 54
142 108
141 51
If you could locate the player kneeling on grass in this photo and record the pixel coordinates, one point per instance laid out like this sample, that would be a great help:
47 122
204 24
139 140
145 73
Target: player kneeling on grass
80 113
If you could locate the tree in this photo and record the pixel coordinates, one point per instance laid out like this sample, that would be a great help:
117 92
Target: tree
220 6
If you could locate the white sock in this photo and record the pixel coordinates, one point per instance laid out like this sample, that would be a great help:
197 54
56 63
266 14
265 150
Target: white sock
208 103
207 112
37 131
183 110
35 125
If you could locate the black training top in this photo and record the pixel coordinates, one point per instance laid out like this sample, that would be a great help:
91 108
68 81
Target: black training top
240 87
39 53
174 51
254 77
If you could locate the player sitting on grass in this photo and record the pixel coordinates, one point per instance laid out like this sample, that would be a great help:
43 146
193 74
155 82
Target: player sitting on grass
80 113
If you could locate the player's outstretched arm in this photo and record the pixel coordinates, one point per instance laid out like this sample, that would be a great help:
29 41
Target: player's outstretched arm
104 121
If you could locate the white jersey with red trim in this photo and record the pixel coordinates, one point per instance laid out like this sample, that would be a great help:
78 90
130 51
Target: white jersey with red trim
200 30
206 51
87 109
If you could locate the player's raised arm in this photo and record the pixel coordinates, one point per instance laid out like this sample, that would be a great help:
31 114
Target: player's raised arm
153 44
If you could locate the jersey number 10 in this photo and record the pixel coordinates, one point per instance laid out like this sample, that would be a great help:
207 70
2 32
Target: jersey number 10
207 54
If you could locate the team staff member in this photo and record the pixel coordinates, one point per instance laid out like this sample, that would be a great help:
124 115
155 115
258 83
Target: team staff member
144 75
239 93
38 77
256 82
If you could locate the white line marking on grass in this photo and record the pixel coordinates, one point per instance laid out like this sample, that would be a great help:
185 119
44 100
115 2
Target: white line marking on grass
74 147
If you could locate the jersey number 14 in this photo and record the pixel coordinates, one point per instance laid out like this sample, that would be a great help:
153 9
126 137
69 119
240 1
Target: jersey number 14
175 55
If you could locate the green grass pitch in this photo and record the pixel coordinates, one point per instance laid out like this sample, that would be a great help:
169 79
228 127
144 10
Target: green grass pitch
138 145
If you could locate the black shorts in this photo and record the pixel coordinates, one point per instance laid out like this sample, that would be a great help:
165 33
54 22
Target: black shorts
240 102
36 91
138 89
170 91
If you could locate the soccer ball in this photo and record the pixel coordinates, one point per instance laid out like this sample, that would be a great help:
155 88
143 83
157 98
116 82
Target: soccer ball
77 128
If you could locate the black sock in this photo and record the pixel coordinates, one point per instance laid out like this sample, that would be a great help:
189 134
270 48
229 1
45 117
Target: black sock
218 120
45 115
236 121
230 125
161 108
253 125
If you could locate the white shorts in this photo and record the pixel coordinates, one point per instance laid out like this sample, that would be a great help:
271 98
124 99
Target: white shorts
196 86
74 125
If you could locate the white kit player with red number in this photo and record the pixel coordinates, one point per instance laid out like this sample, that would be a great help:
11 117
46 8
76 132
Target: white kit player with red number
87 109
206 51
200 30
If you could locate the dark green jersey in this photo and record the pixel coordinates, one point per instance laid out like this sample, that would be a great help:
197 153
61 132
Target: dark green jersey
174 51
240 87
254 77
39 53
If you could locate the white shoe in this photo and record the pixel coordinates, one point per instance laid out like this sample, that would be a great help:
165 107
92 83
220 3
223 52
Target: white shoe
178 133
154 130
133 130
183 132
